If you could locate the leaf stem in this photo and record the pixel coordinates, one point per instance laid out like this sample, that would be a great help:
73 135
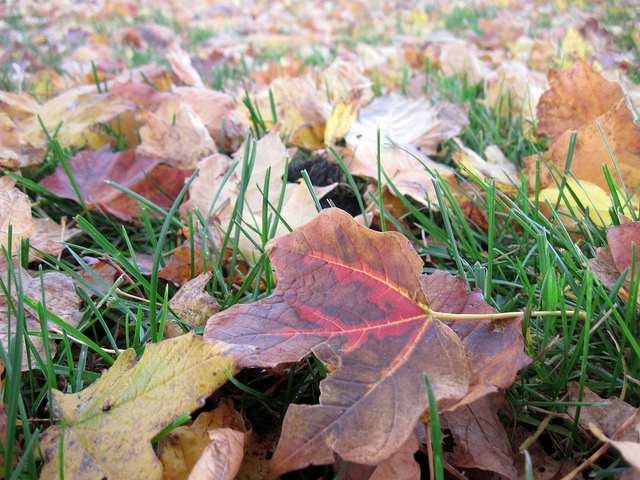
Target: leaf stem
498 316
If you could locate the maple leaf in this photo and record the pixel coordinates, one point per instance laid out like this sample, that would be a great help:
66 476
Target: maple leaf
575 97
613 133
354 297
110 424
480 438
141 174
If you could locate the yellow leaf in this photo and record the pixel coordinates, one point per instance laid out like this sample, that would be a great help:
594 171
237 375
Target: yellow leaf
110 424
593 198
574 43
342 115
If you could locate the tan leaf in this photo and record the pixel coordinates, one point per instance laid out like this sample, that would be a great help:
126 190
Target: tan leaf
591 152
222 458
213 108
180 450
47 236
60 297
181 65
480 438
608 414
181 143
576 96
193 305
15 212
413 121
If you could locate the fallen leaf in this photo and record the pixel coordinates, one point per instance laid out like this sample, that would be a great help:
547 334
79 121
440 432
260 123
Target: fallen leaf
496 166
544 466
413 121
594 199
186 263
613 260
342 115
272 155
192 304
178 136
181 65
60 298
607 414
630 450
214 108
481 440
222 458
47 236
456 56
14 153
621 239
513 89
576 96
592 151
501 356
110 424
257 452
180 451
342 77
400 466
80 127
15 213
141 174
366 316
411 172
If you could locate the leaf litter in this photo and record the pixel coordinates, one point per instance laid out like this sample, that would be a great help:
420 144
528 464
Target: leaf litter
355 298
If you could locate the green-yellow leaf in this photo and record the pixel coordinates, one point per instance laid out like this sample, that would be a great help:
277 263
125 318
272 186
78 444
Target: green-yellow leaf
110 424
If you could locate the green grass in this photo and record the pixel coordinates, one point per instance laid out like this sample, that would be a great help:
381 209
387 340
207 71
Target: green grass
523 261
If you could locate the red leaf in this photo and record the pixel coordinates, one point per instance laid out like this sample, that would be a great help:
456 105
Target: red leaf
354 298
144 175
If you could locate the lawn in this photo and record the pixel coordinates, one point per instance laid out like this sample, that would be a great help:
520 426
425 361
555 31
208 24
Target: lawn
265 240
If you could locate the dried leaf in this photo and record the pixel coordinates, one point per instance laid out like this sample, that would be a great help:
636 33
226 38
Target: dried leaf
576 96
181 65
15 212
481 440
366 316
47 236
60 298
182 139
192 304
416 122
222 458
342 115
180 451
607 414
143 175
109 424
400 466
621 135
630 450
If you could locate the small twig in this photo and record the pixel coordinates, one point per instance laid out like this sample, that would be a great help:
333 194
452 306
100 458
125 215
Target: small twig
77 340
547 348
